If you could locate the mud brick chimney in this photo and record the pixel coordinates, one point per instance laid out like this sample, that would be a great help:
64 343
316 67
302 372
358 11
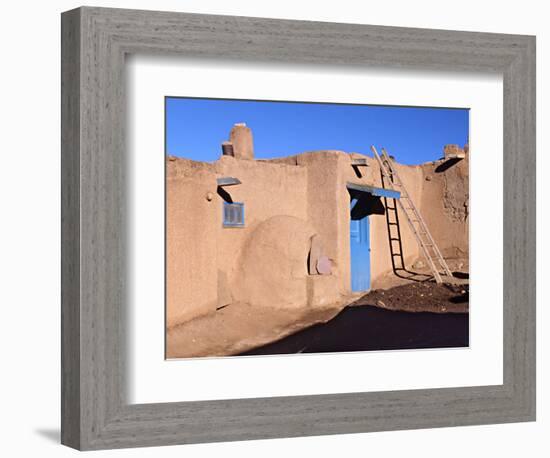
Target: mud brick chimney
243 144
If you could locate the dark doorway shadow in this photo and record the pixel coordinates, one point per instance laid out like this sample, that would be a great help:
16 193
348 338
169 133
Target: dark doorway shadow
366 205
53 435
447 164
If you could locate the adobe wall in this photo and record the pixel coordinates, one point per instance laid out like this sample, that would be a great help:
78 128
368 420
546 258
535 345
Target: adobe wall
191 273
380 252
325 207
445 204
210 266
329 208
439 189
411 175
267 190
287 201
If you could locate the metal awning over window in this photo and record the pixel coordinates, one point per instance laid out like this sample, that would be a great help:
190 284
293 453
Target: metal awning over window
379 192
228 181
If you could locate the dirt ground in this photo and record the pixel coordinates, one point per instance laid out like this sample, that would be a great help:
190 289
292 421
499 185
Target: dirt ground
366 328
419 271
239 328
420 297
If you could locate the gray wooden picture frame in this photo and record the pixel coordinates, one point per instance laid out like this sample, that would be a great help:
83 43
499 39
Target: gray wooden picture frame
95 412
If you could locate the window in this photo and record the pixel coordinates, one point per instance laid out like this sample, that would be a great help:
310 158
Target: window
233 214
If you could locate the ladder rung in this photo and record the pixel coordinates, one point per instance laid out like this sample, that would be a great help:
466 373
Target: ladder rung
421 232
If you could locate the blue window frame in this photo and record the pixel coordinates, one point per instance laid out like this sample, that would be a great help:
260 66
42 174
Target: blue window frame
233 214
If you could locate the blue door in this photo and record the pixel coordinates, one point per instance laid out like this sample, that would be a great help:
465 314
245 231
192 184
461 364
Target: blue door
360 253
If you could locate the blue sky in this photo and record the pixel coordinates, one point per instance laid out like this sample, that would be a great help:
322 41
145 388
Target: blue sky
195 128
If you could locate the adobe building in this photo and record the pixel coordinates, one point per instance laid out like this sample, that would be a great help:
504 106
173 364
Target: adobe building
294 234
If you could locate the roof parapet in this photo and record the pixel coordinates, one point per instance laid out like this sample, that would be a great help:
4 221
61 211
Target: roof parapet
454 152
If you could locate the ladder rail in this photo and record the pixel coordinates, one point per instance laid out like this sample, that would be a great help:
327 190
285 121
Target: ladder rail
424 248
391 174
421 242
419 216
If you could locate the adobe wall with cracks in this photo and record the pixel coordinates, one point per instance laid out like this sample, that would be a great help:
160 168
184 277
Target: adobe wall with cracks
445 204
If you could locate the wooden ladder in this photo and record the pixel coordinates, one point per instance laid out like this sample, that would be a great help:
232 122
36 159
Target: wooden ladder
416 222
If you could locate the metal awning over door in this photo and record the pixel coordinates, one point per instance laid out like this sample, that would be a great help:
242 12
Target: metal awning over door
378 192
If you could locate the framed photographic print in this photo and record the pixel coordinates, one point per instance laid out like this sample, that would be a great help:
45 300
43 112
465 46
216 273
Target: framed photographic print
287 228
261 247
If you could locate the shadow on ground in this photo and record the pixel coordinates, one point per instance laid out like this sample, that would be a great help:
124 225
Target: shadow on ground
365 328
